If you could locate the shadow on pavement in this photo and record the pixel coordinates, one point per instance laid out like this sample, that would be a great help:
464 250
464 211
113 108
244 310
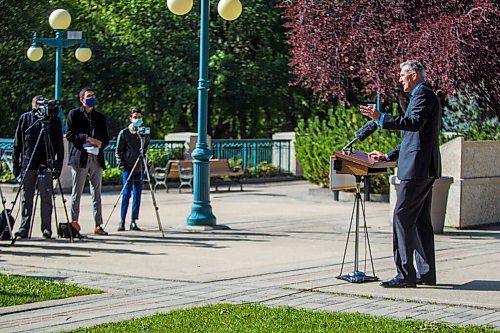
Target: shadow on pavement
474 234
88 246
477 285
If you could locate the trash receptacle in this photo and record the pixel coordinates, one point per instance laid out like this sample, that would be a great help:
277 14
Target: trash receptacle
440 191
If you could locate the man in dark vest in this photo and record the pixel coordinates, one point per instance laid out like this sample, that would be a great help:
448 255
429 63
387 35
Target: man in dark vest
419 164
87 134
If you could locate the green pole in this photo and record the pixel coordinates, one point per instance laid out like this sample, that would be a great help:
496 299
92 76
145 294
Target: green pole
58 72
201 210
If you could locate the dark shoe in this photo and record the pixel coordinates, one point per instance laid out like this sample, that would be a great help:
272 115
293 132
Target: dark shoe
121 226
100 231
21 234
47 234
428 279
133 226
397 283
426 282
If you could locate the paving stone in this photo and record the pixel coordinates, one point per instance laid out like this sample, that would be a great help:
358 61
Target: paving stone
260 279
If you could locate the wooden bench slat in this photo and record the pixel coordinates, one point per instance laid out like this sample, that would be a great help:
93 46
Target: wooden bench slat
218 169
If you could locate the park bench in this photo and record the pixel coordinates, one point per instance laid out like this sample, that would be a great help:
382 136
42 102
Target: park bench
220 173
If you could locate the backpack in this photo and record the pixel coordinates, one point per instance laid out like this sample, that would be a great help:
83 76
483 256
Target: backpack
4 230
69 230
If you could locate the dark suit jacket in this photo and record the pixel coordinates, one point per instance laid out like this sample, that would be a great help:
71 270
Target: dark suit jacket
418 154
81 124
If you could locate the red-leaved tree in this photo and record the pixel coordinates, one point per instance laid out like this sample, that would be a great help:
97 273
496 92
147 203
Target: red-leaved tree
343 46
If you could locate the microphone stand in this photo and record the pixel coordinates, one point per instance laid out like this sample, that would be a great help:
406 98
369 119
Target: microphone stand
348 147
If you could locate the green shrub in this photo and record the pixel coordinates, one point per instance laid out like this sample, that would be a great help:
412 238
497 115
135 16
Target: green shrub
487 130
111 176
158 156
379 184
265 169
235 163
317 140
7 175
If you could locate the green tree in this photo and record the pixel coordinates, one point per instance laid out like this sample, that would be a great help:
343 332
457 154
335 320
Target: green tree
145 56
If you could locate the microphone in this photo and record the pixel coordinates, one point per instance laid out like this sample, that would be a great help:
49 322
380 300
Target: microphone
361 134
366 130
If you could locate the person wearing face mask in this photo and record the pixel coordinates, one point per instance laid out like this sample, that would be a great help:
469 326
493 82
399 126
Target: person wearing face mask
127 152
87 134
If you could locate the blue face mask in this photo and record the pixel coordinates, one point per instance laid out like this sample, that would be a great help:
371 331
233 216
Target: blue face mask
90 102
137 122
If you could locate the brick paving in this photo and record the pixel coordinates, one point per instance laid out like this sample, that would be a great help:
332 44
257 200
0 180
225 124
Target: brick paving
284 249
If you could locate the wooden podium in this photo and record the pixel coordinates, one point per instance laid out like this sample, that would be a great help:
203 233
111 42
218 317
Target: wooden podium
359 165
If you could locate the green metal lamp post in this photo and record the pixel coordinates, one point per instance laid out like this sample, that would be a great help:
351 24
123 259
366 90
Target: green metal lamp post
201 211
60 20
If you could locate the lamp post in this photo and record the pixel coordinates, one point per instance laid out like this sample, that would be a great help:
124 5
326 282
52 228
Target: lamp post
60 20
201 210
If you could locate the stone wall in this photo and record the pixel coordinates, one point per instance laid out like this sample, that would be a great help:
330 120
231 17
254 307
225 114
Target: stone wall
475 193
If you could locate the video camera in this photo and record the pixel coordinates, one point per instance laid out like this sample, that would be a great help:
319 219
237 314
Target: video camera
143 130
47 108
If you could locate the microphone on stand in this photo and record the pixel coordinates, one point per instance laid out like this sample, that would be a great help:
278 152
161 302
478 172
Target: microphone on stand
361 134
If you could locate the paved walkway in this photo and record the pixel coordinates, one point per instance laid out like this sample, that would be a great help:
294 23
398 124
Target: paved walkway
284 247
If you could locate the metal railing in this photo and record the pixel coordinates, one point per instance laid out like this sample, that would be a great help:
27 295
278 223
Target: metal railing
159 152
252 152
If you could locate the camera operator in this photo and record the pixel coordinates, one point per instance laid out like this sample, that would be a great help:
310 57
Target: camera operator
87 134
127 155
25 149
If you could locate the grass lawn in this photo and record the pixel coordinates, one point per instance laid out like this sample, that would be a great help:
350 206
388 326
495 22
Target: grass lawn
15 290
253 318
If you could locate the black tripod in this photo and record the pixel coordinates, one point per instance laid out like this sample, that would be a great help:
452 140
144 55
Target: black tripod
47 168
141 159
358 276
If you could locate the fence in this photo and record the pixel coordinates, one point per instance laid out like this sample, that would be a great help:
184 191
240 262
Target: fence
159 152
252 152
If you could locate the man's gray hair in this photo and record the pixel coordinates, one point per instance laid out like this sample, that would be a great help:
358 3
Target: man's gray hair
414 66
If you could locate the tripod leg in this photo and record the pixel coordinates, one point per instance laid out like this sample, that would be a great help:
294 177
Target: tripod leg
121 192
348 235
153 197
38 140
367 240
63 199
33 212
54 205
58 184
356 241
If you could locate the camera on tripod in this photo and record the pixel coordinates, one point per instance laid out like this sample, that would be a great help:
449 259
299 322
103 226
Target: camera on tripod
143 130
47 108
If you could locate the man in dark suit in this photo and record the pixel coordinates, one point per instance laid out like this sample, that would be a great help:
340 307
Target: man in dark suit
87 134
419 164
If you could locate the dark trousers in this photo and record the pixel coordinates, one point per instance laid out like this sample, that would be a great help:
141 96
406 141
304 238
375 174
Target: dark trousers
132 188
27 195
412 230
